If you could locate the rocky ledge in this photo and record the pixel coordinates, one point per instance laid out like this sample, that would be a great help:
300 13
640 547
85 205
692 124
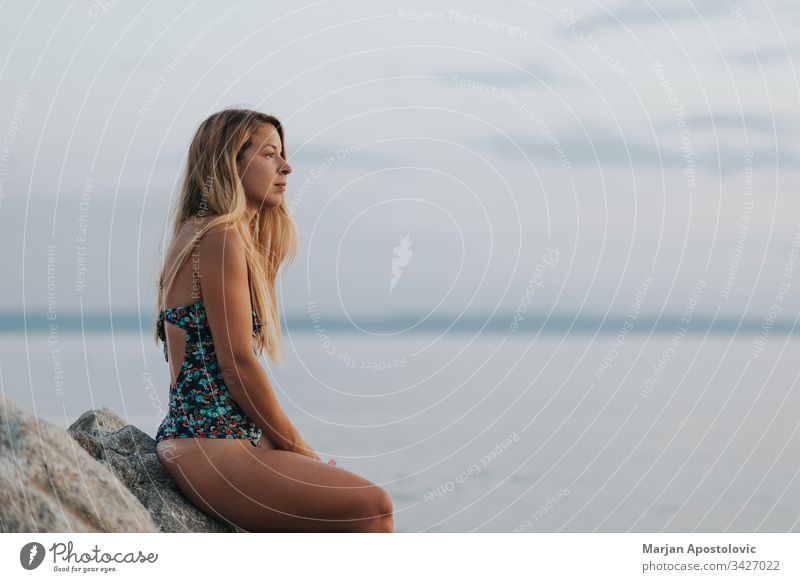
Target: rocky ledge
100 475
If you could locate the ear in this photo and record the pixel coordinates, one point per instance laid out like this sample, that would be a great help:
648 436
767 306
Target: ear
238 166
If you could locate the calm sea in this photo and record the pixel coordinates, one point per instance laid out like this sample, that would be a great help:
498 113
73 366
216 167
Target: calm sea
498 432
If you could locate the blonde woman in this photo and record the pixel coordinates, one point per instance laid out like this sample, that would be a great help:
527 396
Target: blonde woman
225 440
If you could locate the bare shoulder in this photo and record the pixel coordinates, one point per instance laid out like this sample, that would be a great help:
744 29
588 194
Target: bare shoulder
210 238
222 250
222 238
195 224
209 241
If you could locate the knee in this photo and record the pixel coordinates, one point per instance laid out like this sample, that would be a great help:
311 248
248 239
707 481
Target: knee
381 511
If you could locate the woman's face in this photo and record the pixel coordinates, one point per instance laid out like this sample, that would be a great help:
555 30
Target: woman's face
262 170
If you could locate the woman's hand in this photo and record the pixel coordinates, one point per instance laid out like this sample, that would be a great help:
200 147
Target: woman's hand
301 447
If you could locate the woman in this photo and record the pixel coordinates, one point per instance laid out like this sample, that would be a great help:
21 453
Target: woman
225 440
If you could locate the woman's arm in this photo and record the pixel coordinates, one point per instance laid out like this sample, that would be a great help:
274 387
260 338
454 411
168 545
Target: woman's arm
226 296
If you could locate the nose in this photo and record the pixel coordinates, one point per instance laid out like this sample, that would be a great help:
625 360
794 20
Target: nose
286 168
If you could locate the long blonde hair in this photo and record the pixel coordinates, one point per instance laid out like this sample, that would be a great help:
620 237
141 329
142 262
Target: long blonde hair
212 185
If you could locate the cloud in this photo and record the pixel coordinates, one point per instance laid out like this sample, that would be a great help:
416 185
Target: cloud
739 121
639 13
607 148
763 57
534 74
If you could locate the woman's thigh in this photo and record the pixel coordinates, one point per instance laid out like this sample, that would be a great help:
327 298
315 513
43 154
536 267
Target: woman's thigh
264 489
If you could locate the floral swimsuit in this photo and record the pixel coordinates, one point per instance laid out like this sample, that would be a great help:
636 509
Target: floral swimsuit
200 404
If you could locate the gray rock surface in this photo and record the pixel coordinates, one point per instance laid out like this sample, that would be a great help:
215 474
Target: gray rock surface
131 455
48 483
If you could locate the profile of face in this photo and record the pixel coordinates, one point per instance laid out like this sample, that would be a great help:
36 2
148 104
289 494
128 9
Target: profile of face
262 170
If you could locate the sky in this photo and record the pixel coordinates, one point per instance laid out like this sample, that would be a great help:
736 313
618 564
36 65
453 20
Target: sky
465 161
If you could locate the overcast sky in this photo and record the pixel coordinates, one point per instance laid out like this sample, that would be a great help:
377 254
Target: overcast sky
495 154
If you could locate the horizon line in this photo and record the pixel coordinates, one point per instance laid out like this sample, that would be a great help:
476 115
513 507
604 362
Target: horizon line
11 321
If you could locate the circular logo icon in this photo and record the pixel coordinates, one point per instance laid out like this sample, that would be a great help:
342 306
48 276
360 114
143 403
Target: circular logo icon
31 555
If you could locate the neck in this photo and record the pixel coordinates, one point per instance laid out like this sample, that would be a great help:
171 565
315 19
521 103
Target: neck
249 215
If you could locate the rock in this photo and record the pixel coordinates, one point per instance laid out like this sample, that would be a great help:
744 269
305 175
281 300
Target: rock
131 456
50 484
